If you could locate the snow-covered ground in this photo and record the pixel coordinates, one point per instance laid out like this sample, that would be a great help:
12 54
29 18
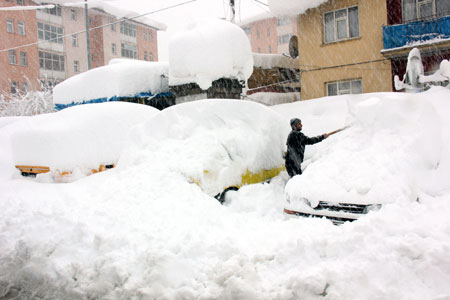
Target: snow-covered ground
142 231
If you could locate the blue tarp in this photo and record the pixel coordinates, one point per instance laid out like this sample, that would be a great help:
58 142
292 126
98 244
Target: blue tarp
143 95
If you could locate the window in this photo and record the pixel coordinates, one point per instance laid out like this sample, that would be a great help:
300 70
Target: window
127 28
283 21
76 66
341 24
422 9
74 40
113 48
145 55
12 57
14 87
128 50
9 26
21 28
50 33
20 2
73 14
23 59
259 50
344 87
145 36
151 56
270 49
92 57
113 25
247 30
24 87
268 31
150 37
257 34
56 11
284 39
51 61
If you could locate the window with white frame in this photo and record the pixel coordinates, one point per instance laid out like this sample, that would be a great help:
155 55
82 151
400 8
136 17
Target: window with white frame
50 33
20 27
12 57
23 59
283 21
128 50
344 87
9 26
73 14
74 40
76 66
423 9
128 28
56 10
284 39
341 24
51 61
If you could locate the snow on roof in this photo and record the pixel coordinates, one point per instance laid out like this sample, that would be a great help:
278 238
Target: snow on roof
292 7
255 18
207 50
109 9
121 78
269 61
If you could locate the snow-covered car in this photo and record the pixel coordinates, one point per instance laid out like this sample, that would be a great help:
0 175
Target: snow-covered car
76 141
378 160
220 144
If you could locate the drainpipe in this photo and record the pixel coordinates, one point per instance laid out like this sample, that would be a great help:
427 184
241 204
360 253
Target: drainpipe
88 51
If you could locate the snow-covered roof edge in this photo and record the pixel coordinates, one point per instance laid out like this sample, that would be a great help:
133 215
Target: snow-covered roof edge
268 61
255 18
292 7
108 9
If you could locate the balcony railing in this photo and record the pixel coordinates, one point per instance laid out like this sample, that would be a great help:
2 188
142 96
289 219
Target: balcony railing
416 32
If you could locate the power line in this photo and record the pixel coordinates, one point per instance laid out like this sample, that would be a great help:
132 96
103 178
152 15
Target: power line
97 27
345 65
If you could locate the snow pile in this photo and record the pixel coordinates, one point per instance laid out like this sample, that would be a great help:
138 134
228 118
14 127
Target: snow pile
392 142
292 7
120 78
215 142
207 50
142 231
78 138
269 61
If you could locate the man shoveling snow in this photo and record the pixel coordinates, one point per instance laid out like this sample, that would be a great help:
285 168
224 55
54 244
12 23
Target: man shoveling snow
296 143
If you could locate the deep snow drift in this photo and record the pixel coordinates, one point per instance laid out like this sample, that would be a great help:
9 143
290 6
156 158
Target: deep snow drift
142 231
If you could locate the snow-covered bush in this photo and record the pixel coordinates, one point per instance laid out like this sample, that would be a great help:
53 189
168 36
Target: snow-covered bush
28 104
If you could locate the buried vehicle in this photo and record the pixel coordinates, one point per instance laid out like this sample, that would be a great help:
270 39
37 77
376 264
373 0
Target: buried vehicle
221 144
382 158
77 141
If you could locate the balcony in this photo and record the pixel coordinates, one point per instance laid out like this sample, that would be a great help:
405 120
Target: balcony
415 33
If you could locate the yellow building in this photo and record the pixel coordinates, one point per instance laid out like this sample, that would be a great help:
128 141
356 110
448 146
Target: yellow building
340 45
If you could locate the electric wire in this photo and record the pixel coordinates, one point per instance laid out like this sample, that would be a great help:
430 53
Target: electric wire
97 27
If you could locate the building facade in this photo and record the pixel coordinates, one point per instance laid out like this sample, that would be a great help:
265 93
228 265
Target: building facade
424 24
270 35
339 47
20 70
54 45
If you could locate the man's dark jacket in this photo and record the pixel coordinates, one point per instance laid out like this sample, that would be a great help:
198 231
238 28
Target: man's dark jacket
296 143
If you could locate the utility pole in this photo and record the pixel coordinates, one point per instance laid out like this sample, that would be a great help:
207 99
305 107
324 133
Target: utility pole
88 51
232 10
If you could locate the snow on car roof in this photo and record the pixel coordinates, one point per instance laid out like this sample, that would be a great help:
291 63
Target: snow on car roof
80 136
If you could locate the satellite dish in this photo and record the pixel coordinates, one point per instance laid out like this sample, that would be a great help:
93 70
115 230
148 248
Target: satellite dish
293 46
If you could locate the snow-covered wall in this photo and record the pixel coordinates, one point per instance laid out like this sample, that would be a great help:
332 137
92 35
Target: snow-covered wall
207 50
